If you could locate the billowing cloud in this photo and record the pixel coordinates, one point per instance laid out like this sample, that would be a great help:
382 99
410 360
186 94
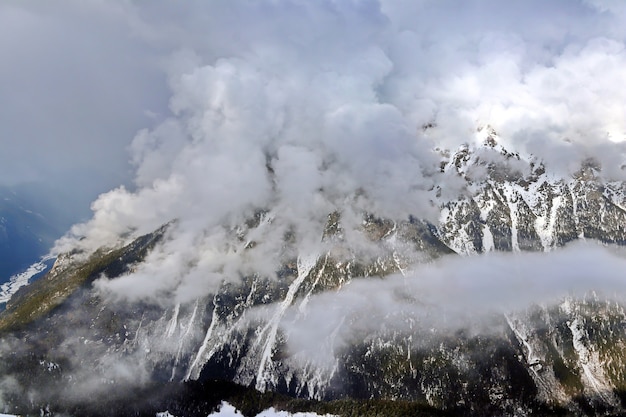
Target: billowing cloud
296 109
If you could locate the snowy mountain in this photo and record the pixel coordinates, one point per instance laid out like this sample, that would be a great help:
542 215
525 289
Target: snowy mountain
521 206
365 314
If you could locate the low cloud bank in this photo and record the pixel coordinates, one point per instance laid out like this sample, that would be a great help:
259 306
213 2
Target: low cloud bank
454 293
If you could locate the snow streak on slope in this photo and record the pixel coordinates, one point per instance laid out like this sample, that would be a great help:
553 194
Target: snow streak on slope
203 354
305 265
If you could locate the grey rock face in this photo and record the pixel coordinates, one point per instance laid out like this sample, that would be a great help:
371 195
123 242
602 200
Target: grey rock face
528 211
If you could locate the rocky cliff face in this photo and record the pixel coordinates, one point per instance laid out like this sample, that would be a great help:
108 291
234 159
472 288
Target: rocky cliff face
519 206
63 339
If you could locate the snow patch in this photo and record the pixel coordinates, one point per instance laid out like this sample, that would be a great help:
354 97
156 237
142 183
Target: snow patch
163 414
227 410
22 279
488 245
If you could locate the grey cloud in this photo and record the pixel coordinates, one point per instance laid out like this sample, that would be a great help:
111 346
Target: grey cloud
76 84
333 95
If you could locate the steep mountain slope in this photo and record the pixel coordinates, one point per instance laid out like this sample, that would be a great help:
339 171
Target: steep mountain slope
522 206
305 332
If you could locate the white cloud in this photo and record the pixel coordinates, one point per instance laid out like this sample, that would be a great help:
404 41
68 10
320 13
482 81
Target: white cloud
333 96
450 294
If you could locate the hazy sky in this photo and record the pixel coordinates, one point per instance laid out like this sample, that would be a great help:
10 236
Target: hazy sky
77 84
333 90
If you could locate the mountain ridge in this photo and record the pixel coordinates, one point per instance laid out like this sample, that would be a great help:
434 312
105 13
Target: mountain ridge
245 330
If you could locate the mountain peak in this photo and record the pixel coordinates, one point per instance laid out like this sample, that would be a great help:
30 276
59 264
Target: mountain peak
487 135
